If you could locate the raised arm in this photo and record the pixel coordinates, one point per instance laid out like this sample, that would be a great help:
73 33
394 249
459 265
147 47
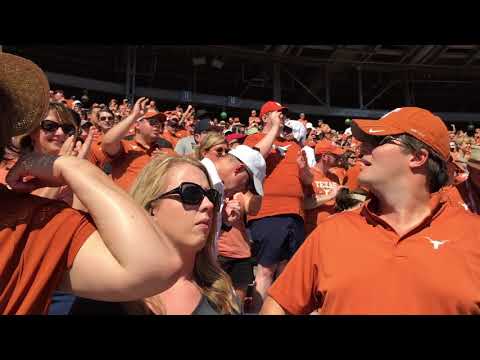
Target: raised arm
265 145
128 257
306 175
111 140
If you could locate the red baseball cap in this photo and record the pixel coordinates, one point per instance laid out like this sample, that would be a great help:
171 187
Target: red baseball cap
234 136
417 122
270 106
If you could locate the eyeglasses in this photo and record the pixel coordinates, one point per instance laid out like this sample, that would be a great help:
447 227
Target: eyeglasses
86 126
193 194
376 141
52 126
155 122
220 151
106 118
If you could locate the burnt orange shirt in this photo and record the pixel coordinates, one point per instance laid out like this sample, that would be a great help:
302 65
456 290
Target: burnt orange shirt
129 162
355 263
39 239
322 185
167 135
234 243
96 155
283 191
181 134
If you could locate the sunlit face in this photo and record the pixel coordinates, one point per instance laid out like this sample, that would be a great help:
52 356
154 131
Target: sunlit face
150 132
382 163
105 121
216 152
328 160
50 142
191 233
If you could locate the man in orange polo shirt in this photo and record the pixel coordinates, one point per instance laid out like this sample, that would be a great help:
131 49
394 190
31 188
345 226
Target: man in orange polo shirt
129 157
407 251
278 228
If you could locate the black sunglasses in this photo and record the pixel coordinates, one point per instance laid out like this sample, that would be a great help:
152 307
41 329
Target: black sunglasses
193 194
221 151
376 141
155 122
86 126
52 126
106 118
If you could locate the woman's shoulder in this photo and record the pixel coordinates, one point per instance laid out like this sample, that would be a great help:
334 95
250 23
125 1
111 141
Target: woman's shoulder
205 307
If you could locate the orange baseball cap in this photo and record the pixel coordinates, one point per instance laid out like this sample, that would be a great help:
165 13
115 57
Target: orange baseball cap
153 114
322 148
270 106
417 122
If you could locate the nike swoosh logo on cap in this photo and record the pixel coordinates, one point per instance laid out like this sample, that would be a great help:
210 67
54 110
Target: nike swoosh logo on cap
371 131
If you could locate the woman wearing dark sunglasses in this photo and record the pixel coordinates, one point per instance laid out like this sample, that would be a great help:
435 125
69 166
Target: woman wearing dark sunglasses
178 195
56 135
213 146
52 132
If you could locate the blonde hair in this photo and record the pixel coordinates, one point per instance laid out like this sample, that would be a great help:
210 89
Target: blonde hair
213 281
210 140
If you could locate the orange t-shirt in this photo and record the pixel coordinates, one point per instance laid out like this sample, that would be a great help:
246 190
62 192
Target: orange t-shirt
322 185
181 134
234 243
167 135
96 155
129 162
283 191
355 263
39 239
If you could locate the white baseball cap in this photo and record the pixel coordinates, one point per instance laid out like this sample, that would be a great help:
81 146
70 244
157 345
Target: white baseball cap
255 164
309 125
298 130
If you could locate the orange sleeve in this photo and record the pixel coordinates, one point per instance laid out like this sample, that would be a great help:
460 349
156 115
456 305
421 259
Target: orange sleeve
295 289
252 140
84 229
125 146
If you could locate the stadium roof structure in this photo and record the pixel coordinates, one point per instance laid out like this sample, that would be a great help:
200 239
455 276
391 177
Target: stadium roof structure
330 80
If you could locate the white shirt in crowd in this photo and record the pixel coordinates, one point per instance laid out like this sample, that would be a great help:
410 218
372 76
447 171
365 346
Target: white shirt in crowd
217 185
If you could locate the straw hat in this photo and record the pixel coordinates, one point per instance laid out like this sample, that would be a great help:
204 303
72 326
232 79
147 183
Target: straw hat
24 94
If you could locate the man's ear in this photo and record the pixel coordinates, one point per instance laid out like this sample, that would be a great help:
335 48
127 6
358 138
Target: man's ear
419 158
239 168
137 124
